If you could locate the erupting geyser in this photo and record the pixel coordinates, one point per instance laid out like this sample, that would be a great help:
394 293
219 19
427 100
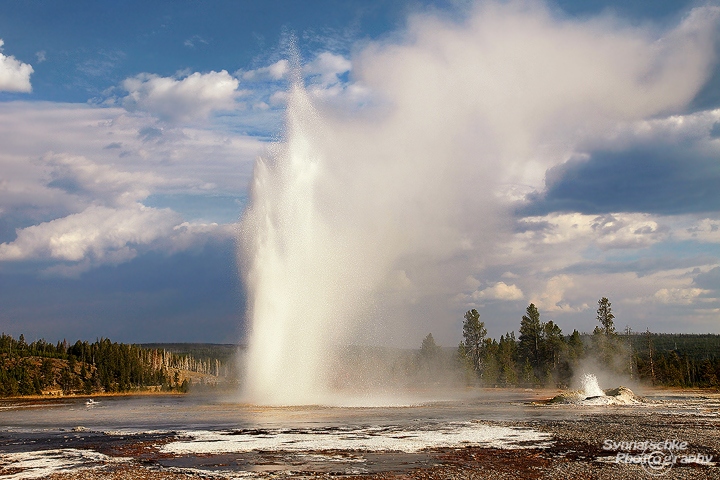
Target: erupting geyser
304 275
384 203
590 386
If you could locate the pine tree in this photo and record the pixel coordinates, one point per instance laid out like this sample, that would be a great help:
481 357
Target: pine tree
553 344
474 334
605 317
531 335
606 341
507 357
576 348
429 349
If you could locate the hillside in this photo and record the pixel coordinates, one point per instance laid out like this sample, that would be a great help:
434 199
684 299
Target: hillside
42 368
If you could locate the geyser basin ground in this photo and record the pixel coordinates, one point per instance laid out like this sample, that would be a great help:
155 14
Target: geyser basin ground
488 434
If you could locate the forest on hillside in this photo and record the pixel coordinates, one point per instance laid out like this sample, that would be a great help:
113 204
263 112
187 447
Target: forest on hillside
43 368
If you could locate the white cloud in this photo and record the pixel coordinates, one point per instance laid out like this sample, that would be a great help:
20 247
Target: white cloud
706 230
665 130
84 201
610 231
552 299
679 296
181 99
326 68
277 71
499 291
325 84
100 181
472 283
106 236
278 98
189 235
567 261
322 76
194 41
14 74
66 146
323 79
100 233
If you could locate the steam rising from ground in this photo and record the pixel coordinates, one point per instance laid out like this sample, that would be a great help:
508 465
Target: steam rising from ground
360 219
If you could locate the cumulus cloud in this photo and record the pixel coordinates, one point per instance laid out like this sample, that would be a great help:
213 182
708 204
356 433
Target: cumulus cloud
324 77
606 232
182 99
79 182
499 291
552 299
56 154
100 233
327 67
14 74
326 82
640 261
277 71
80 176
706 230
106 236
679 296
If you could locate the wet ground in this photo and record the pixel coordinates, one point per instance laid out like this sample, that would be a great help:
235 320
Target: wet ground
483 434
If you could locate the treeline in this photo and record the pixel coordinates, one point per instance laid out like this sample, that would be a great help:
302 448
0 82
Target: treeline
542 355
209 358
41 367
676 360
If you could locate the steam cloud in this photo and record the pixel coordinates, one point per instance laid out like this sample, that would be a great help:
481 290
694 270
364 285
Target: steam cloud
361 219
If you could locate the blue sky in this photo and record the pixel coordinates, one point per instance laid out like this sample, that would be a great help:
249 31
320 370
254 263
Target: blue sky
129 131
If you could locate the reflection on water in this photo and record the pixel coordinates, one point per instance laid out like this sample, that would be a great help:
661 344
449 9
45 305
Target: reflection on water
191 412
206 412
193 432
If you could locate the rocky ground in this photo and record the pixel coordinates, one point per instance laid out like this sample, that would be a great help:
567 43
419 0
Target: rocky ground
576 452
